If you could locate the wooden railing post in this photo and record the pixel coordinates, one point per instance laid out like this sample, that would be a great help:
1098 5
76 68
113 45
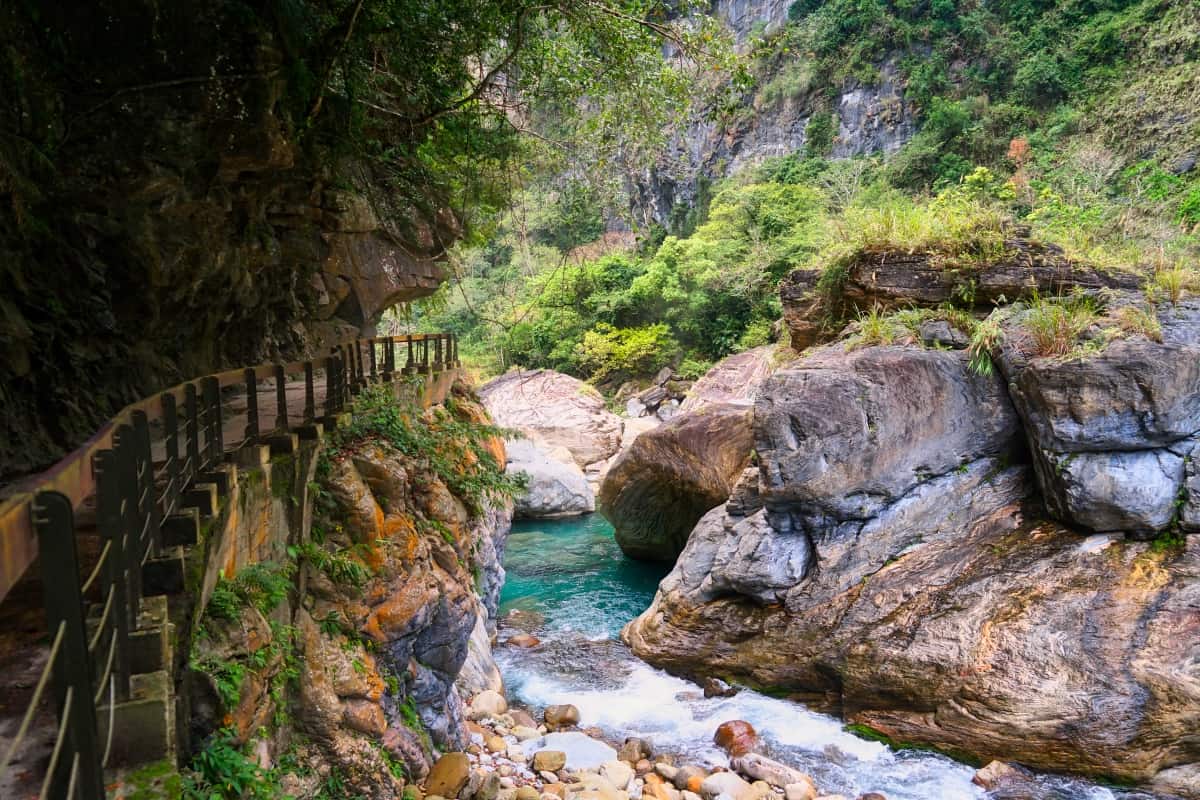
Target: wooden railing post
53 520
374 367
173 467
361 377
310 395
389 358
110 522
125 470
252 430
281 410
191 433
210 389
147 495
410 366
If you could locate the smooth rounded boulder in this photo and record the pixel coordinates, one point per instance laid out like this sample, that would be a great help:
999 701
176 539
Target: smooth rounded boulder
555 485
659 488
556 408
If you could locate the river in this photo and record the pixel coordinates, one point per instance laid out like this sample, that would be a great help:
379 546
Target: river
570 586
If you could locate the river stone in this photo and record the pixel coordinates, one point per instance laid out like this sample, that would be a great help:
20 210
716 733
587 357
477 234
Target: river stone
759 790
656 491
766 769
688 776
549 760
635 749
581 751
801 790
556 485
736 737
558 409
1115 491
488 703
994 774
561 716
528 793
729 784
735 379
618 773
522 717
449 775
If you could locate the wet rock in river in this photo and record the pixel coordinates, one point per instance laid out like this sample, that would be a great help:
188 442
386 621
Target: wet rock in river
561 716
736 737
449 775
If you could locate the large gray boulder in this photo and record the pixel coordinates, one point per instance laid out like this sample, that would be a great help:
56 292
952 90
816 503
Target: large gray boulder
1133 491
556 485
845 434
558 409
1113 431
658 488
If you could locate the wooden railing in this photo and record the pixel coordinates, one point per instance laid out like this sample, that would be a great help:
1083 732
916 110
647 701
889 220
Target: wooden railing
137 472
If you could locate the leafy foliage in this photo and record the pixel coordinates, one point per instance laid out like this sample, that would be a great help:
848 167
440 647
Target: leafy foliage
264 586
223 771
454 446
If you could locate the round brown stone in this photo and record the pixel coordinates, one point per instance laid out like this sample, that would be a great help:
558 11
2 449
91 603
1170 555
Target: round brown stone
736 737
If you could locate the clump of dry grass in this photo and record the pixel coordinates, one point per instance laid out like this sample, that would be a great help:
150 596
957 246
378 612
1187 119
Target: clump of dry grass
1056 323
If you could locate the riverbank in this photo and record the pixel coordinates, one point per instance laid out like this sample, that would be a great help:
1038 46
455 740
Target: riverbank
567 594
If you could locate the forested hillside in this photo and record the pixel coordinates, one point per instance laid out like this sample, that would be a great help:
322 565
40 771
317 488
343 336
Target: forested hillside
1073 122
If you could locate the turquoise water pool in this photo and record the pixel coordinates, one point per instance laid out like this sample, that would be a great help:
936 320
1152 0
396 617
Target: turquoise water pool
574 575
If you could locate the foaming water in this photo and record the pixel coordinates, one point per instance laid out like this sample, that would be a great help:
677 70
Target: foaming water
571 586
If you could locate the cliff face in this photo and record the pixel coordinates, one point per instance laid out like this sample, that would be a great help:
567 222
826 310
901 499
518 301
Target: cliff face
168 218
865 119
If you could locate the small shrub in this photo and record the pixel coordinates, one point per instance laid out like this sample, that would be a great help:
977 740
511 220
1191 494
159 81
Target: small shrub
340 567
1172 282
1055 324
875 327
222 771
455 448
263 586
985 338
1140 321
691 369
607 351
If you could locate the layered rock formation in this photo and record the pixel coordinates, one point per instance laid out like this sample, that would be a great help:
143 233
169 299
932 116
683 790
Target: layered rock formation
891 556
1114 434
394 607
734 379
887 279
661 483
